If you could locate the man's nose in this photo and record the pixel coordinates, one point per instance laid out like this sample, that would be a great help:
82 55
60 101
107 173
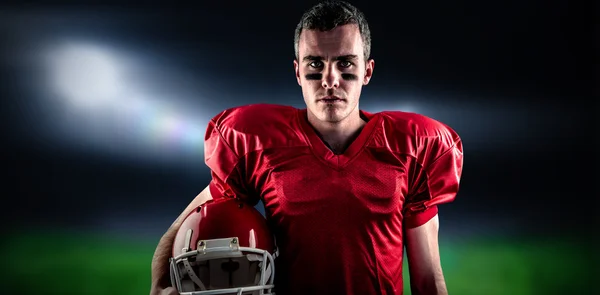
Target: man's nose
331 77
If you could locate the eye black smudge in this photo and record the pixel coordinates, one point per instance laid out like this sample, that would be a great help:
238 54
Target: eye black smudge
314 76
349 77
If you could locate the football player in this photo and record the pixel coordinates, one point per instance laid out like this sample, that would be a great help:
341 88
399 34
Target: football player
345 191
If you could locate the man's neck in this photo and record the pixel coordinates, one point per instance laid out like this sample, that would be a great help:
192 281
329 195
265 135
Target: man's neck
338 135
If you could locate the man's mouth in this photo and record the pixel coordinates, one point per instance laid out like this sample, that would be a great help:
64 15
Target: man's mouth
331 99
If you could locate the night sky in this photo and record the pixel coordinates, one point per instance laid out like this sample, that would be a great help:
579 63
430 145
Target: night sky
104 107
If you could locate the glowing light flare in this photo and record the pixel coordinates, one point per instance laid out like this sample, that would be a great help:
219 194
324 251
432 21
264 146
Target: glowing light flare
86 75
114 106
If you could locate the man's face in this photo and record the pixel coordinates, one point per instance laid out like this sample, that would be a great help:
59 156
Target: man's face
331 71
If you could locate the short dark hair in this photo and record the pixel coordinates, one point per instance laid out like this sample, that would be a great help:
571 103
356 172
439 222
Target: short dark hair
328 15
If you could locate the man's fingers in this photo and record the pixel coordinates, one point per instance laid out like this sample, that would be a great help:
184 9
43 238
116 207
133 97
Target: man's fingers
169 291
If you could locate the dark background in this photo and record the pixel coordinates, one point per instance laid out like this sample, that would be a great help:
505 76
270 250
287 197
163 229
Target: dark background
104 106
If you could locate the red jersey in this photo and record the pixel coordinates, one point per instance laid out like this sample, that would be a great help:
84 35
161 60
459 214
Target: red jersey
338 219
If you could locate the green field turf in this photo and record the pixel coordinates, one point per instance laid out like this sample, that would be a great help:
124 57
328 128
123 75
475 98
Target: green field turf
85 263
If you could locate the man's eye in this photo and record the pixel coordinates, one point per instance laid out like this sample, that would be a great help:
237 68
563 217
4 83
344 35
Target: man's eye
345 64
315 64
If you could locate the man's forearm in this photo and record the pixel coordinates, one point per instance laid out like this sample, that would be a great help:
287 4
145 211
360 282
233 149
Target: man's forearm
422 250
160 261
161 278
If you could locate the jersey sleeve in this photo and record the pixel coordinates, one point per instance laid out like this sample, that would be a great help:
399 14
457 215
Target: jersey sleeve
226 164
437 176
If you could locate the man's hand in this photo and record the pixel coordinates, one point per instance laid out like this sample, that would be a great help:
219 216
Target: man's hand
169 291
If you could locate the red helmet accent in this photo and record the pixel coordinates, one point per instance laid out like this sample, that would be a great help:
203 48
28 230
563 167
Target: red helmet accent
224 218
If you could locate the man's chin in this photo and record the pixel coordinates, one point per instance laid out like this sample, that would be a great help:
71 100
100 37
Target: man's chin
332 115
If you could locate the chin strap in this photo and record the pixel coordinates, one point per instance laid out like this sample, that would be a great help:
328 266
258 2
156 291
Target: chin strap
192 274
186 263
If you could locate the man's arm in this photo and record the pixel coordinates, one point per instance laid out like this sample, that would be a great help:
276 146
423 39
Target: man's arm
160 262
422 249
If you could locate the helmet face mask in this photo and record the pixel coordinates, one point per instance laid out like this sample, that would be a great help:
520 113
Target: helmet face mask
206 260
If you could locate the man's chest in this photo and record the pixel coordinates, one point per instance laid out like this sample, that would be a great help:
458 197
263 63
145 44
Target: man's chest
372 185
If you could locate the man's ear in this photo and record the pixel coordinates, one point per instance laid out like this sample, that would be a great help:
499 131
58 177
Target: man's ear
369 66
297 71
